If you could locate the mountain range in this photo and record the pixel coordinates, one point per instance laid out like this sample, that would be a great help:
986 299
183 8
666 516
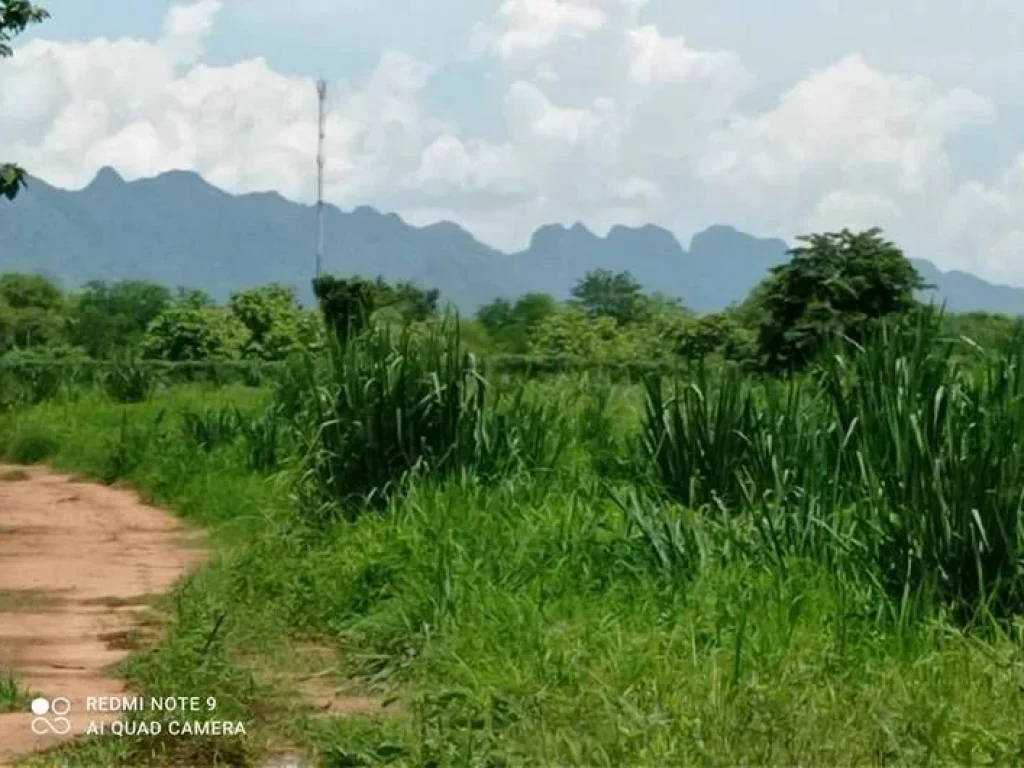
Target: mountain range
177 229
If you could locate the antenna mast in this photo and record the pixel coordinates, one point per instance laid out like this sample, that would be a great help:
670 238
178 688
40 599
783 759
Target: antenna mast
321 92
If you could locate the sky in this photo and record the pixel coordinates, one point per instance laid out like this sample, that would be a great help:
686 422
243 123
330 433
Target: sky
505 115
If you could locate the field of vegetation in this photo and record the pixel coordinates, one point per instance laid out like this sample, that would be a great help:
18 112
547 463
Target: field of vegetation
602 532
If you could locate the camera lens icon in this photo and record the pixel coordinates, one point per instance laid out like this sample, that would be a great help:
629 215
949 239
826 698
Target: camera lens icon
51 716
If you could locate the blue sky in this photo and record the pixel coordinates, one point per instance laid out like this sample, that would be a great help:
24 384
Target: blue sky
503 115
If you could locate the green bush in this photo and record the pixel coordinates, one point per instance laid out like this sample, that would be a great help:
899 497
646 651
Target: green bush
264 437
388 406
903 450
211 428
128 380
32 447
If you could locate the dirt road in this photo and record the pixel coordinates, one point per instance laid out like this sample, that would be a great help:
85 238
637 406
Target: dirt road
78 565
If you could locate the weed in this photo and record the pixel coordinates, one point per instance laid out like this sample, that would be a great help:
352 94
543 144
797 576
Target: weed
129 380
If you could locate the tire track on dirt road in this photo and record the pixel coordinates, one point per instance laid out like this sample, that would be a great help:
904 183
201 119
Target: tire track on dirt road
78 564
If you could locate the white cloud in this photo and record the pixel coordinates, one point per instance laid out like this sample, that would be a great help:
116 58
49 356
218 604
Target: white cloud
530 26
654 58
67 109
847 143
186 28
607 119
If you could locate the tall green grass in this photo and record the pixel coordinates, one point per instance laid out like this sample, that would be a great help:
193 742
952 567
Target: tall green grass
709 570
392 404
901 457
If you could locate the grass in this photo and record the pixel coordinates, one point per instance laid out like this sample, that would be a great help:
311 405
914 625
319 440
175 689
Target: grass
12 601
13 698
640 597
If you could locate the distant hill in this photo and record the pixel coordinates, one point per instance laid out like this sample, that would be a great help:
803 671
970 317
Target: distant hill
178 229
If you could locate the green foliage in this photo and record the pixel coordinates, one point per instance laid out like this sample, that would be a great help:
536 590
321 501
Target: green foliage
346 305
126 452
211 428
902 438
837 284
410 302
13 698
31 312
984 328
32 447
570 332
107 318
717 333
526 618
129 380
12 180
391 407
265 439
513 324
195 298
602 293
184 332
276 323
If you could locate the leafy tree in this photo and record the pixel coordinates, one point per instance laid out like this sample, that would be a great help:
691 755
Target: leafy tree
750 313
275 321
15 17
572 333
601 293
107 317
706 335
193 297
346 305
531 309
659 335
31 311
836 283
410 302
496 315
21 291
184 332
513 326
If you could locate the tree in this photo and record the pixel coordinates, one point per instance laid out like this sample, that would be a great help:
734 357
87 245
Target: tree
837 283
496 315
274 319
706 335
601 293
31 311
571 333
15 17
107 317
346 305
513 326
193 297
412 303
184 333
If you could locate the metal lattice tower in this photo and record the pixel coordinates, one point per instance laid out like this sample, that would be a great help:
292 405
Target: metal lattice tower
321 91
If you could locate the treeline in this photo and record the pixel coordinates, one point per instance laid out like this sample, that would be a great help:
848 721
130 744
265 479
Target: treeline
836 284
104 320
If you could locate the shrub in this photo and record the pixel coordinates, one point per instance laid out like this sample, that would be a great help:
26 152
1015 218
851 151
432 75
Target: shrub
128 380
33 447
904 451
386 407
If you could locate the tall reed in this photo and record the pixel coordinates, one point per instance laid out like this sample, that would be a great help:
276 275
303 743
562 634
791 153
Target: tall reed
903 454
395 402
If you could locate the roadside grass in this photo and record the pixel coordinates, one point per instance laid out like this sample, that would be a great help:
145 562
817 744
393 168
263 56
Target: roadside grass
13 698
22 600
522 618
